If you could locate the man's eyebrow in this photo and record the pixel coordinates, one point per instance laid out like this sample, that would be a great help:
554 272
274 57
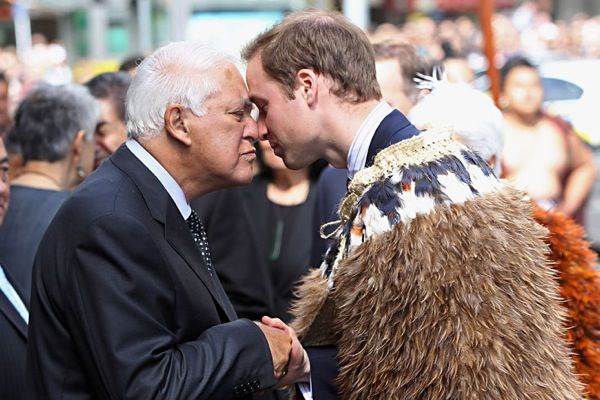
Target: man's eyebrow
4 160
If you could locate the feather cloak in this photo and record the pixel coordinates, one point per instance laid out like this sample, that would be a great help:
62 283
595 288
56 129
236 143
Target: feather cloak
438 286
579 281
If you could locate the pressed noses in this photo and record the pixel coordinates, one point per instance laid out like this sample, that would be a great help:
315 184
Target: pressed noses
251 131
262 129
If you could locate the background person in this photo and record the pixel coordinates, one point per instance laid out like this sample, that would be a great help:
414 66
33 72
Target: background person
110 90
480 125
54 129
542 155
13 311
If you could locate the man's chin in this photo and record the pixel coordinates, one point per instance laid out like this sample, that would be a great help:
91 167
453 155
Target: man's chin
291 163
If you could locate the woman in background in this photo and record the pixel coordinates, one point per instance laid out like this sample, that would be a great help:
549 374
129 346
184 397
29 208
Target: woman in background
260 236
54 129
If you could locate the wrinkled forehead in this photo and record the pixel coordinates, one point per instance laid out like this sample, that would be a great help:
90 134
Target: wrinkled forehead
231 88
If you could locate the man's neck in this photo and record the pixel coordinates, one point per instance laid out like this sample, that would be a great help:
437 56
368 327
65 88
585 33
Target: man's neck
343 125
159 149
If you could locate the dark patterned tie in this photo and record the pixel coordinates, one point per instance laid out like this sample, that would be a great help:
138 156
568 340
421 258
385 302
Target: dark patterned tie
199 235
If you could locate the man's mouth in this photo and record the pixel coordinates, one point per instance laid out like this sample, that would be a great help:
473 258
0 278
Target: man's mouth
249 156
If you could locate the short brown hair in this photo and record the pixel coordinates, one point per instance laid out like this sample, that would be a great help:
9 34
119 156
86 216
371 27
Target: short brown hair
324 41
408 59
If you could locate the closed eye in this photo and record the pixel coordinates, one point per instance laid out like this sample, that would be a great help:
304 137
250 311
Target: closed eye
239 115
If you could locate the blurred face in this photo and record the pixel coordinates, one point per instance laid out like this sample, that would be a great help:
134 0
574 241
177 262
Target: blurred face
110 133
523 91
223 139
4 183
458 70
283 122
391 82
4 117
87 156
269 157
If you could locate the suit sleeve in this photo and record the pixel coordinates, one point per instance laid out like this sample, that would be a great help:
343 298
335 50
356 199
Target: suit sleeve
124 301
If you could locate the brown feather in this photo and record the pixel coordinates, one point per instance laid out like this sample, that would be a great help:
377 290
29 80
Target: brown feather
456 304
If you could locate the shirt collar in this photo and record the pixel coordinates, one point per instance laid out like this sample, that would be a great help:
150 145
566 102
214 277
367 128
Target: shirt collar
170 185
357 156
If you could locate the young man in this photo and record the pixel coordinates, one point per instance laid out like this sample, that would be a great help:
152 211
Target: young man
408 303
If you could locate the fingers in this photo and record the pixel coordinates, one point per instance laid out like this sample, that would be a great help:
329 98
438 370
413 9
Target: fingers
274 323
280 345
297 368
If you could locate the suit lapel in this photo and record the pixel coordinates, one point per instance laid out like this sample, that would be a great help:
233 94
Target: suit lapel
12 315
179 237
176 231
392 129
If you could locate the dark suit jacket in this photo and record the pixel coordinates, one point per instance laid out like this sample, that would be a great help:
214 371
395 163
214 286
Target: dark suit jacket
242 215
123 306
331 188
229 215
13 347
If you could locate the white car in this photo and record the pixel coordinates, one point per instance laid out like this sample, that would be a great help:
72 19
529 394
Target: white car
572 90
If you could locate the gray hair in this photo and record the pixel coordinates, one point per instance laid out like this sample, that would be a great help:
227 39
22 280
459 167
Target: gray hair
471 114
48 119
180 72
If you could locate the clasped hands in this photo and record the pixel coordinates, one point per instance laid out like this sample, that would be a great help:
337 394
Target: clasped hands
290 361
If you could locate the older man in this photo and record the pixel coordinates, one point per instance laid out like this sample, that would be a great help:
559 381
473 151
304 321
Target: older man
436 286
126 303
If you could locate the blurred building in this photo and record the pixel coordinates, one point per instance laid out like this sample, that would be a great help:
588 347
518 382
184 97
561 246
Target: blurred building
114 29
100 29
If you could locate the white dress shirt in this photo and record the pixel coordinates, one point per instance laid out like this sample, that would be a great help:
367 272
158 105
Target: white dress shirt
170 185
357 156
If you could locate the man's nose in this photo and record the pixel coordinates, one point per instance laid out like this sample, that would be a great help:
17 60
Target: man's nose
251 131
262 129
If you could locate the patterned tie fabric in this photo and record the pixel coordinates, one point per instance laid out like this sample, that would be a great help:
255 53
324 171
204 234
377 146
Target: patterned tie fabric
199 235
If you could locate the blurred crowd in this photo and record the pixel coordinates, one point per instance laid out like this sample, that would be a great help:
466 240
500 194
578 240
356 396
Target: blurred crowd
530 29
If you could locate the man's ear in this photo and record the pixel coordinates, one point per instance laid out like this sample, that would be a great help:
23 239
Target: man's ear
307 81
176 125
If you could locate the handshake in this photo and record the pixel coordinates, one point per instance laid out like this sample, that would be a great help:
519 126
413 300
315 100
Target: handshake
290 361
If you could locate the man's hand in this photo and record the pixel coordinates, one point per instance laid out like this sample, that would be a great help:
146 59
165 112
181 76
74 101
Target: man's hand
298 368
280 344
